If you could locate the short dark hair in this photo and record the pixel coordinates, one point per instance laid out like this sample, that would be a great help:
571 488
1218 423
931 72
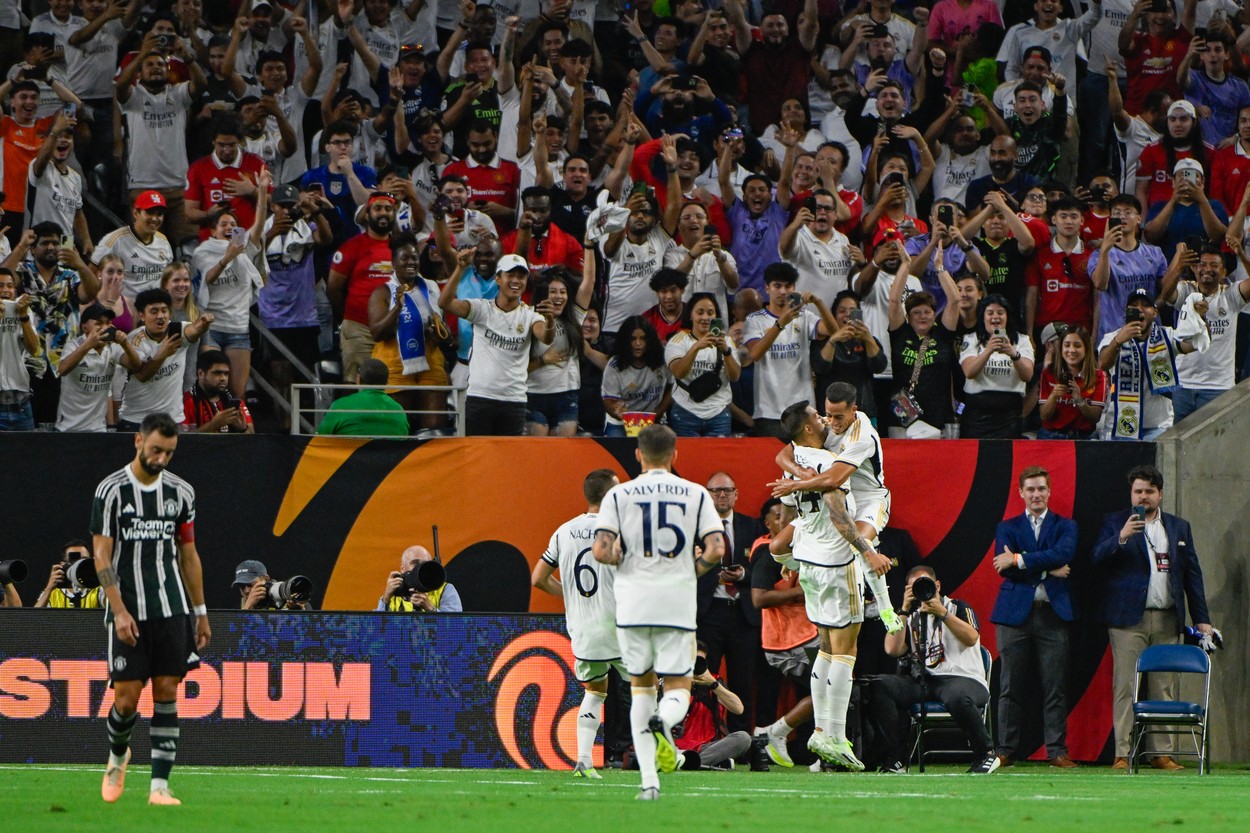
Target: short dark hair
269 56
404 238
47 228
536 192
161 423
483 126
337 128
373 372
794 419
155 295
1026 87
1034 471
668 277
1126 200
576 48
228 125
922 570
657 443
1066 204
597 484
920 299
23 87
754 177
477 45
768 505
75 542
211 357
1148 473
842 393
780 272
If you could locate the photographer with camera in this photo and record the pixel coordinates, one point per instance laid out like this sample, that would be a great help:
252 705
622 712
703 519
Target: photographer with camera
940 651
73 582
10 572
420 585
209 407
704 734
260 592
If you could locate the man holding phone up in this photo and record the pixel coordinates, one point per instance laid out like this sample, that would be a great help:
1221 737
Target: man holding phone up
820 253
778 340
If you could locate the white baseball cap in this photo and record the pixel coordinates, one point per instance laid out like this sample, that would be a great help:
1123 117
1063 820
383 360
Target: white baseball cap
1183 106
507 263
1187 165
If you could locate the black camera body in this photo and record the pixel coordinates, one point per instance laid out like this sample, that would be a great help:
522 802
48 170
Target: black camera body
922 590
13 571
423 578
700 665
295 589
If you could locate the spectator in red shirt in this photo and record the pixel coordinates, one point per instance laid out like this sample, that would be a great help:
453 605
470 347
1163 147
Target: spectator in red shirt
704 731
1103 188
225 179
781 58
166 32
1230 168
1057 284
208 408
493 182
1152 57
1181 140
542 243
1073 390
669 285
360 266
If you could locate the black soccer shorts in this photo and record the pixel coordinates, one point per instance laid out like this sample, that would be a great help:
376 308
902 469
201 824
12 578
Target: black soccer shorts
166 648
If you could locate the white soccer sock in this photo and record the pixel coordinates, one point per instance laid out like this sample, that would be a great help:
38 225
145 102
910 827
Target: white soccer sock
780 729
641 710
159 784
820 690
839 694
880 590
673 707
588 719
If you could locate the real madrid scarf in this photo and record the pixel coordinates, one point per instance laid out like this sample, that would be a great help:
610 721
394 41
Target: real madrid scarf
410 329
1156 356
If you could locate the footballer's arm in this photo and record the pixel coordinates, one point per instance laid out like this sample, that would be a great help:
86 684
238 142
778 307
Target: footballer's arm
193 578
713 552
543 579
812 481
124 624
606 549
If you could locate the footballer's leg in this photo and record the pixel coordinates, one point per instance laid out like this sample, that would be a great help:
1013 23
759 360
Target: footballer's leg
121 722
841 682
876 581
781 729
589 716
674 661
164 733
641 711
820 742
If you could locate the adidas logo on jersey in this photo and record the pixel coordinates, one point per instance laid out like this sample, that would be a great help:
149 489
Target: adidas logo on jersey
128 508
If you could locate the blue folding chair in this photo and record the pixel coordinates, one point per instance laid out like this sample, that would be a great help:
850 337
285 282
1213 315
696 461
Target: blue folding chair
1172 717
932 716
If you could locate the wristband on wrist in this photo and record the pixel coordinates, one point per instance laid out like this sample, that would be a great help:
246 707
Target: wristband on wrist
966 249
200 610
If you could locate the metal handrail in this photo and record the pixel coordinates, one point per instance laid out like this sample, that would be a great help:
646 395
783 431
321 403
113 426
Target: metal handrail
314 413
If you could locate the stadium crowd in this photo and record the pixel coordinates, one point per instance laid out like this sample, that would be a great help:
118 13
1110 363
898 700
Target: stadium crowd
991 218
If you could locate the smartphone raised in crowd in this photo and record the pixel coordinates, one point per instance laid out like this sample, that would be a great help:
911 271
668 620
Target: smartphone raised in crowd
717 327
946 214
238 236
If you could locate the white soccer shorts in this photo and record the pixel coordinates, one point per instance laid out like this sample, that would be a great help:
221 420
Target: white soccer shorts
589 670
875 512
834 595
668 652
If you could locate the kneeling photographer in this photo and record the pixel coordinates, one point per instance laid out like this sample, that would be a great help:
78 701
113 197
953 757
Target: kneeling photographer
940 651
73 582
420 586
260 592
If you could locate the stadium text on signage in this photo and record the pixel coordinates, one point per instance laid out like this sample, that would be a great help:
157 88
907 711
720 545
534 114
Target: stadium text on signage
278 691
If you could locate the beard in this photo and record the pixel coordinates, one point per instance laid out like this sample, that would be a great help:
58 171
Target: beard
379 225
150 468
1002 170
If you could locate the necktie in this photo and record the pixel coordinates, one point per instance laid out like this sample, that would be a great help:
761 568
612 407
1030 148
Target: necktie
728 559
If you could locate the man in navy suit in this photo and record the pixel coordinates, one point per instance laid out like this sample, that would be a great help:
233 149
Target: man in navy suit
1150 569
1033 612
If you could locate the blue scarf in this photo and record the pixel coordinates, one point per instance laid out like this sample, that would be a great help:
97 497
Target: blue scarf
410 331
1142 366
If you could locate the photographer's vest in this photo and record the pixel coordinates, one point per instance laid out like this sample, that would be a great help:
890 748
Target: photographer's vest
398 605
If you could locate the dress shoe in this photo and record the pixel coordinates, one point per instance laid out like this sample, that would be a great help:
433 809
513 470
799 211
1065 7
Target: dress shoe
1063 762
1166 763
1005 761
1120 763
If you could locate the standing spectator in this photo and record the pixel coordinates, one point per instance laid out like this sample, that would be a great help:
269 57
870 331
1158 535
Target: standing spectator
360 266
1157 163
385 27
997 362
779 340
1073 391
852 355
17 341
90 63
504 329
1006 242
704 363
1038 131
1034 612
1211 87
700 253
636 379
155 113
58 281
226 179
208 407
782 58
141 246
1134 133
343 182
922 361
1206 375
819 252
959 154
369 412
1187 213
540 241
1123 265
1151 58
634 255
87 369
22 135
1230 167
1151 570
952 21
1057 282
555 369
1059 36
493 182
54 188
156 386
112 273
473 98
1003 175
958 256
669 286
757 221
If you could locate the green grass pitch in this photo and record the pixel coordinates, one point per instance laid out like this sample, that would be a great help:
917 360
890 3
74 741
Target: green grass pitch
307 800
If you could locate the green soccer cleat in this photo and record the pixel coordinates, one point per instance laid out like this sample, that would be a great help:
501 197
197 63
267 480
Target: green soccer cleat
667 757
892 621
822 745
845 754
586 772
778 752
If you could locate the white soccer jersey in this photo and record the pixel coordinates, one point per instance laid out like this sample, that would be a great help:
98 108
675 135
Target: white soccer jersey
85 389
816 540
860 447
783 375
144 261
501 349
824 266
659 518
629 278
589 602
160 394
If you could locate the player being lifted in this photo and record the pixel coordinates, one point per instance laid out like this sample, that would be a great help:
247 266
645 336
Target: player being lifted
589 608
662 532
143 528
856 447
822 541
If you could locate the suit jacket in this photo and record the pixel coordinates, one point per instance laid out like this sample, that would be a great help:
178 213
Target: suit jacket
745 530
1054 547
1126 572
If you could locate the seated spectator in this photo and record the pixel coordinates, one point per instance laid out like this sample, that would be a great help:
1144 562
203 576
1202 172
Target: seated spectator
1188 213
156 386
850 355
61 593
701 400
18 340
699 252
343 182
226 179
369 412
555 369
504 330
251 579
704 731
409 334
1073 391
87 368
209 407
950 671
144 250
636 379
997 363
401 595
669 286
922 362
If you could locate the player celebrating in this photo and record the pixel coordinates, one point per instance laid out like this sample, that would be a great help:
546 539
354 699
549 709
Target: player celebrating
823 539
662 532
858 464
589 608
143 528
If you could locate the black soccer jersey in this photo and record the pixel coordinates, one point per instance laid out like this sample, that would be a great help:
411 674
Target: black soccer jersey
146 523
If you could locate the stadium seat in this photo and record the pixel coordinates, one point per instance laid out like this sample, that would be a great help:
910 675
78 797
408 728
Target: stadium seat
931 716
1172 717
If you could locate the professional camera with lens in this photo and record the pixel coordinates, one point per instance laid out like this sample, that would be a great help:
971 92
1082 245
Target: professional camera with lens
296 589
81 576
425 577
922 590
12 571
700 665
